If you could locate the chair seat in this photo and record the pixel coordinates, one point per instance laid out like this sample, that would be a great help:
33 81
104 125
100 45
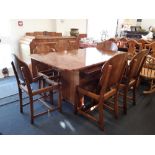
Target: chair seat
51 75
147 73
130 84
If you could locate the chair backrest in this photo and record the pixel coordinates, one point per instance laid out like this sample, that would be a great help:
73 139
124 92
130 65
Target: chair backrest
132 46
143 42
112 72
122 43
136 65
107 46
152 48
18 65
113 40
148 70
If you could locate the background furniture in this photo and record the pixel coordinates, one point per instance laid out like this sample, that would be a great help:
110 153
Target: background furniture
133 47
107 45
136 32
148 73
28 44
45 33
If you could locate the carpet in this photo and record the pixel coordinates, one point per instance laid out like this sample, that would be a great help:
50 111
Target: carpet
138 121
8 87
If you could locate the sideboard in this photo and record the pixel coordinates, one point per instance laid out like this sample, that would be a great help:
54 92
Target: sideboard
28 43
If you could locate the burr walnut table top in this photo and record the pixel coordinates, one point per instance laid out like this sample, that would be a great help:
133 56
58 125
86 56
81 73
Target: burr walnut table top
74 59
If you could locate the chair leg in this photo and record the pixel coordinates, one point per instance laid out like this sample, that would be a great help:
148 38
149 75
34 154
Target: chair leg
134 95
51 97
125 93
101 116
116 106
78 100
31 110
60 100
21 100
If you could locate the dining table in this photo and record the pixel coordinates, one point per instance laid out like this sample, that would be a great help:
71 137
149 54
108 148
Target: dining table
76 66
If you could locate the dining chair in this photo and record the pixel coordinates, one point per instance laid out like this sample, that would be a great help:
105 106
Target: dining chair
107 46
47 72
25 83
132 47
113 40
151 48
143 42
131 77
122 43
102 90
148 73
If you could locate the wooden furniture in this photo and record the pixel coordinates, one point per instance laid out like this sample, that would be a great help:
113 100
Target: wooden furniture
76 67
151 48
28 44
107 45
148 73
45 33
24 82
113 40
87 45
44 48
130 79
143 42
105 88
132 48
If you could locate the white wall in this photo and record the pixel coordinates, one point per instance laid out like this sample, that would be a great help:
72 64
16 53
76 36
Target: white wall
64 25
29 25
97 26
146 23
11 33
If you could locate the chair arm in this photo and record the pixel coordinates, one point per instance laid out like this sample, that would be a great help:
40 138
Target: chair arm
147 46
88 93
46 89
37 78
